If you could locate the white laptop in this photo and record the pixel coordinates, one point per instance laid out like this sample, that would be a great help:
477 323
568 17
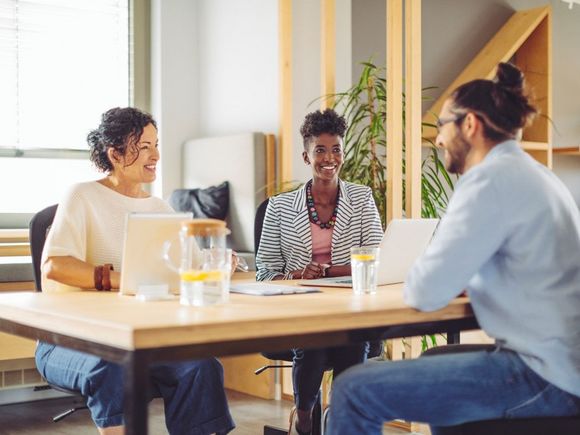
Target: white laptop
142 262
403 242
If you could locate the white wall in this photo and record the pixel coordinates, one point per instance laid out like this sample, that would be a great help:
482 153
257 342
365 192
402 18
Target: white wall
238 66
306 67
175 84
214 72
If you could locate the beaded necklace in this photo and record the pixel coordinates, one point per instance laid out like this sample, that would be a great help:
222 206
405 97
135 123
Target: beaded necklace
313 214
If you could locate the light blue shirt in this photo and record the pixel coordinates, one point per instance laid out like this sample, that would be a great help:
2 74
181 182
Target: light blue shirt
511 238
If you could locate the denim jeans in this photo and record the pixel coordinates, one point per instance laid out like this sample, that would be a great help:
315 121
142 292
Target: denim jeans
192 391
443 390
309 366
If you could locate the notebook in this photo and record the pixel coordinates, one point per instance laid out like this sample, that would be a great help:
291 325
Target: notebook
142 263
269 289
403 242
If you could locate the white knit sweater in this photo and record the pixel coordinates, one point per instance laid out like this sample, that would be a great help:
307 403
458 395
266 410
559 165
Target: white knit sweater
90 224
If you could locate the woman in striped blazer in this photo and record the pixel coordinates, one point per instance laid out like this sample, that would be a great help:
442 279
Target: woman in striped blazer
308 234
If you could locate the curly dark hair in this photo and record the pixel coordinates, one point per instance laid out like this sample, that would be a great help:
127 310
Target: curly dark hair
502 103
120 129
317 123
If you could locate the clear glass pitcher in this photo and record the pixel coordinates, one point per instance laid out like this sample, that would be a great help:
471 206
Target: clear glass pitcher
205 262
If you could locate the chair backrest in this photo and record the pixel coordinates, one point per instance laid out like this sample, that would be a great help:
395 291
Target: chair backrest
258 223
287 355
38 229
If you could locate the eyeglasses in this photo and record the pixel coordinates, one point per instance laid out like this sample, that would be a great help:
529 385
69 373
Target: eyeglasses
442 121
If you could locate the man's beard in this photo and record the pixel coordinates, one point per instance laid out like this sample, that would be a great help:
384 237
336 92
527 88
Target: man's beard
455 163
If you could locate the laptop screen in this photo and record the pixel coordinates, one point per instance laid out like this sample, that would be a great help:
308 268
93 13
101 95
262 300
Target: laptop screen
142 261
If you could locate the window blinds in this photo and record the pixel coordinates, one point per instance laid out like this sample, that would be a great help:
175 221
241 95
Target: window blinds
62 64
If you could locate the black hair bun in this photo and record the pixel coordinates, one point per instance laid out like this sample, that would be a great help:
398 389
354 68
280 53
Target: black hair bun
508 76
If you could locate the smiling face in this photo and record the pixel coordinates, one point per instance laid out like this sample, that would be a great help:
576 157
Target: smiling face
139 163
452 140
324 154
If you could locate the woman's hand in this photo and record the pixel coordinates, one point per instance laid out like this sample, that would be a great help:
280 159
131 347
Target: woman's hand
238 263
74 272
313 270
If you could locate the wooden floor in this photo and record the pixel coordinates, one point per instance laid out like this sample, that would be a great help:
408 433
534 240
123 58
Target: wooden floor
34 418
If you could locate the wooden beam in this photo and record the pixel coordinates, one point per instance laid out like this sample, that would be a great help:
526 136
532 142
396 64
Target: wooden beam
14 249
285 43
394 109
500 48
413 108
328 49
14 235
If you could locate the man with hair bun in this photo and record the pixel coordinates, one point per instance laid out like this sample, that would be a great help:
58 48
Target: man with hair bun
511 239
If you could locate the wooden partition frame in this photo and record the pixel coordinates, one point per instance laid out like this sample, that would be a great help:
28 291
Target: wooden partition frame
285 59
413 101
328 51
409 12
394 109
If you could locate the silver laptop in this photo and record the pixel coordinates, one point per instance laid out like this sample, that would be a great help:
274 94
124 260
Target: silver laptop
403 242
142 263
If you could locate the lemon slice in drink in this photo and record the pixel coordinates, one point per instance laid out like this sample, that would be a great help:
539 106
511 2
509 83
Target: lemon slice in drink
363 257
201 275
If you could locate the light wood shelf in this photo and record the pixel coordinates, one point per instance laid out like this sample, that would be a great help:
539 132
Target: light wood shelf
535 146
525 39
568 151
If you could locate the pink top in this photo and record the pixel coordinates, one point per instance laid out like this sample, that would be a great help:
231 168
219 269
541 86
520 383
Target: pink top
321 244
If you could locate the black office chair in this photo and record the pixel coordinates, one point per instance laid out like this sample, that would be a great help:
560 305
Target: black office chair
520 426
286 355
38 229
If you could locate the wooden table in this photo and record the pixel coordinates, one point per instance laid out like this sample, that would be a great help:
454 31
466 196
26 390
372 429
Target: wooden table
136 334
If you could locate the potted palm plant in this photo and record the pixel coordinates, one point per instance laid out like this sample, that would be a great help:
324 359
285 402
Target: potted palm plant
365 144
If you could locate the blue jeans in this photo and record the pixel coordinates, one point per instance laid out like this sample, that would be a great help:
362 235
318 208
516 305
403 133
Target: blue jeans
192 391
309 366
443 390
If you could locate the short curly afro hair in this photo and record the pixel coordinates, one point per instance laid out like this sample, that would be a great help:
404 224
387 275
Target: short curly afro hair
317 123
120 129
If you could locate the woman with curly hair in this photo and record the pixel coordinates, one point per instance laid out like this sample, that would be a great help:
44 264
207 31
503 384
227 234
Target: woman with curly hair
308 234
83 252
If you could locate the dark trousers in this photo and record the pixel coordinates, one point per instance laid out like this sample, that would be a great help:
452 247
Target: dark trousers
310 364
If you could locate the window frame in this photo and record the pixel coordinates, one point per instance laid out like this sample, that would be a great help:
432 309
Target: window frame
139 78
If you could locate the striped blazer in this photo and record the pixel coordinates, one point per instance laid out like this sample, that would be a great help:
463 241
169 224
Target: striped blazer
286 242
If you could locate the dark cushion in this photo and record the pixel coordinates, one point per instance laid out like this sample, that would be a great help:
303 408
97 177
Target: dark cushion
212 202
